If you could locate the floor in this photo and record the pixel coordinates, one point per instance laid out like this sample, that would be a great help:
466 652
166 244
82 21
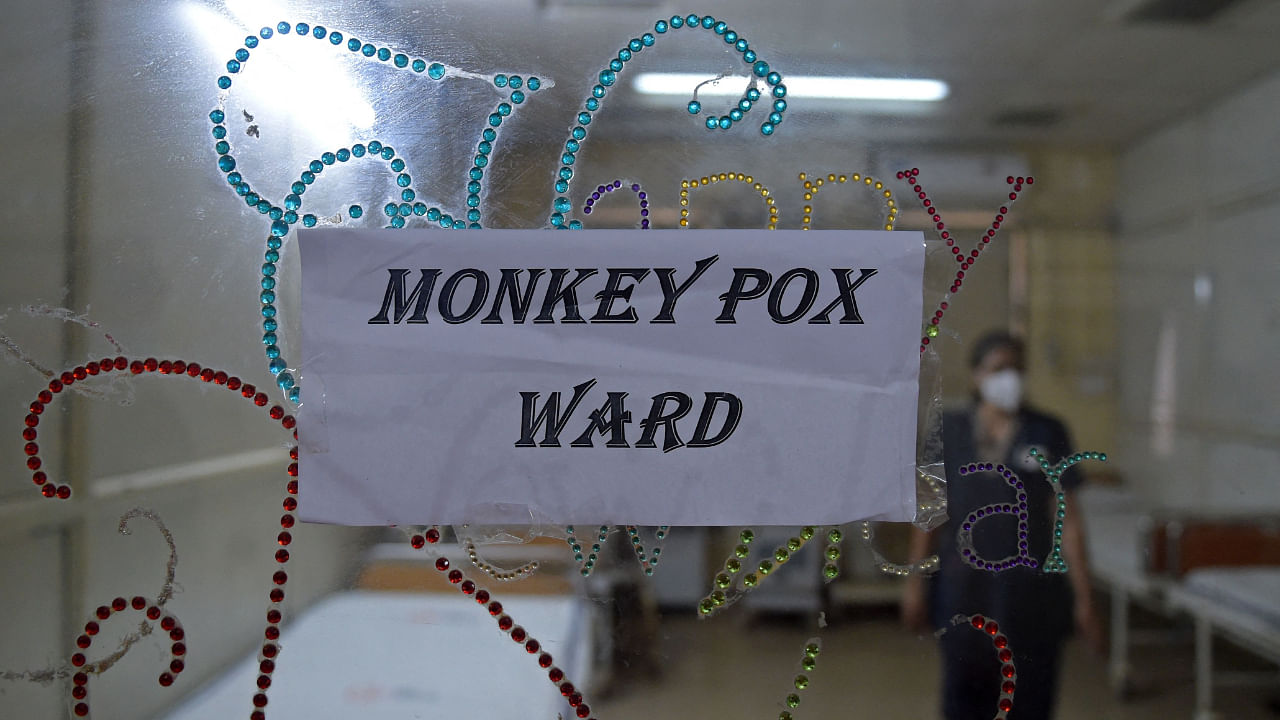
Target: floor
870 667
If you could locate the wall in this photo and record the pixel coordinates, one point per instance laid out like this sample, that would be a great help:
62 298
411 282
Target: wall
90 225
1066 306
1198 310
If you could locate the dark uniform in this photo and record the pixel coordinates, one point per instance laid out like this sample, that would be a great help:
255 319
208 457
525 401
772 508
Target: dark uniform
1034 608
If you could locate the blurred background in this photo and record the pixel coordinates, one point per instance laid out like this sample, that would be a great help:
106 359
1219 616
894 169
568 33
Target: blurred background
1141 269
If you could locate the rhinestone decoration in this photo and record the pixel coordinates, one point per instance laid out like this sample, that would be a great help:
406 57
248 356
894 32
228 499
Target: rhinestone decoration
812 186
1018 508
83 667
729 586
966 262
217 378
762 76
1055 562
496 573
587 562
650 561
518 634
1008 677
407 206
284 214
927 566
693 183
801 681
602 190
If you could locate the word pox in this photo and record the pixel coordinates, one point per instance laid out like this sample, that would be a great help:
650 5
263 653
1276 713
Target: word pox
465 294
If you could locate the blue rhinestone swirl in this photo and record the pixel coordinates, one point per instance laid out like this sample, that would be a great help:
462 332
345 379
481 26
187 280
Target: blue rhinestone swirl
285 214
608 77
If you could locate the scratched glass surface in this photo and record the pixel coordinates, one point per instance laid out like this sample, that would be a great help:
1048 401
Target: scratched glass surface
1139 266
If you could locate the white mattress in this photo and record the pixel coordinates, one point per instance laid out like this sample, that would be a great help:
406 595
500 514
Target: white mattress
1254 591
374 655
1103 500
1116 537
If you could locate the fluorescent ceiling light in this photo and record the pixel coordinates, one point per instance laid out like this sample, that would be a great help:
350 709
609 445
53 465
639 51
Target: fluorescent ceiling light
798 86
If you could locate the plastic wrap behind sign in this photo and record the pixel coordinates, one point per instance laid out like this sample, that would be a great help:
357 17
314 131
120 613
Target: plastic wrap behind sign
420 420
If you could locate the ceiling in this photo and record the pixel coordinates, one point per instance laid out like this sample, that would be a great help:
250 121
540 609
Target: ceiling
1077 73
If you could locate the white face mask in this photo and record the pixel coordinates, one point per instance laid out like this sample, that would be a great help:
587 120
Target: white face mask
1003 389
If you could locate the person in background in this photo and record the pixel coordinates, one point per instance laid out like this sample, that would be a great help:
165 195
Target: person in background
1036 610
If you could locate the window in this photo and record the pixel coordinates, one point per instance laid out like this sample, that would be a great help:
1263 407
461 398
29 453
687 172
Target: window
1138 268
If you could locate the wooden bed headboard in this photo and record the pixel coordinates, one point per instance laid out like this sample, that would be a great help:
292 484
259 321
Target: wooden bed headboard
1182 545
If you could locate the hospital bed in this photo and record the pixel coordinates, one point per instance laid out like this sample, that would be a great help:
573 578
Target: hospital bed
385 653
1241 604
1127 558
1222 570
1231 588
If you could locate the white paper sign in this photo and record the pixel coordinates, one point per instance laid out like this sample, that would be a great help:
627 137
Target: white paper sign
719 377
